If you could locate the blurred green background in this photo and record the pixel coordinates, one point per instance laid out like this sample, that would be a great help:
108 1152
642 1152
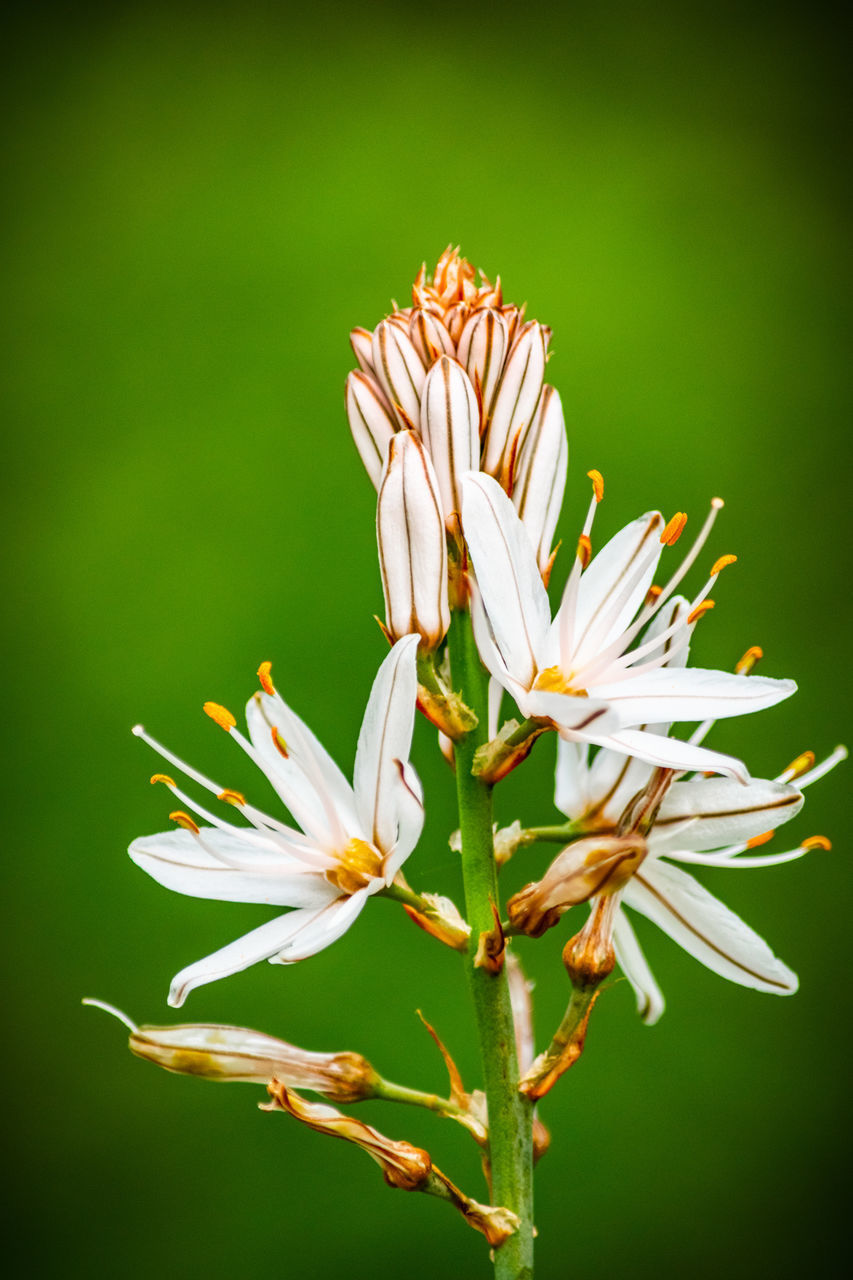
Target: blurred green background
201 203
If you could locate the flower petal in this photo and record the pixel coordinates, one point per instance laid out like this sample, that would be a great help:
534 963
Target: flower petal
508 576
690 694
230 867
386 737
575 715
410 818
635 966
322 929
719 812
614 586
672 753
706 928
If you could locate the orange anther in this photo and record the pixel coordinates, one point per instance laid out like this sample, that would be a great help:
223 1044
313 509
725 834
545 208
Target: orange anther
597 484
279 742
699 611
719 565
758 840
265 678
184 820
653 593
801 765
162 777
816 842
231 797
221 715
745 664
673 529
584 551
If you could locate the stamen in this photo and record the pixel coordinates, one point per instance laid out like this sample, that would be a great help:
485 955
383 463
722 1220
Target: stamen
719 565
759 840
801 765
221 715
673 529
699 611
816 842
279 742
164 778
232 797
265 678
184 820
652 594
597 484
584 551
753 654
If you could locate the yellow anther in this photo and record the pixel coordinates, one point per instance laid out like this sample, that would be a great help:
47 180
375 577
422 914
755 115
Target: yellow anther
221 715
184 820
231 797
673 529
279 742
801 765
357 865
717 504
584 552
653 593
265 678
164 778
719 565
753 654
699 611
816 842
759 840
597 484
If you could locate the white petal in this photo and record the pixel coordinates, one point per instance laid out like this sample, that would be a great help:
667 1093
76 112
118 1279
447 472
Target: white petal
720 811
260 944
386 737
370 423
516 397
399 369
707 929
507 575
671 753
574 715
615 585
635 966
541 479
450 425
571 778
321 930
614 780
409 803
691 694
230 868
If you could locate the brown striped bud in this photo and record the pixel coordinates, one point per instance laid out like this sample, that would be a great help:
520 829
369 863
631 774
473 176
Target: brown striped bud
370 422
450 426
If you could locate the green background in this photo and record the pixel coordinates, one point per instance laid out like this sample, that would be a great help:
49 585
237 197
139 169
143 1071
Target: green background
202 202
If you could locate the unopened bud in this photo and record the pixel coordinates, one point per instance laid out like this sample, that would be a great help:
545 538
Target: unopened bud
402 1165
516 398
540 482
399 369
370 422
450 426
429 336
595 864
361 341
412 547
483 345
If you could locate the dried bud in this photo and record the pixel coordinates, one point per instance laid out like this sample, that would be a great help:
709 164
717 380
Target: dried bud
412 547
495 1222
589 956
515 400
450 426
402 1165
483 345
370 422
399 369
540 480
595 864
442 921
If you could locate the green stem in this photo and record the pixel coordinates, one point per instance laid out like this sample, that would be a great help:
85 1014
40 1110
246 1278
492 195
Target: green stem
387 1091
510 1114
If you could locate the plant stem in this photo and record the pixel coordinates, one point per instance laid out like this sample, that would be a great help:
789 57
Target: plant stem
510 1114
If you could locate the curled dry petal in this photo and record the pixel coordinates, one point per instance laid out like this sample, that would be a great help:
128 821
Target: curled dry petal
586 867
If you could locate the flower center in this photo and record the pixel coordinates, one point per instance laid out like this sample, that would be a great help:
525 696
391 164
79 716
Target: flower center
357 865
554 680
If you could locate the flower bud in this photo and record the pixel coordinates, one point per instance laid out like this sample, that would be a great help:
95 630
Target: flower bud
370 422
412 547
399 369
483 344
361 341
429 336
516 398
595 864
541 469
402 1165
450 426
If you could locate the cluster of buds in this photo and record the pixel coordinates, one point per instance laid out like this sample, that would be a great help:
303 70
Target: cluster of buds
451 384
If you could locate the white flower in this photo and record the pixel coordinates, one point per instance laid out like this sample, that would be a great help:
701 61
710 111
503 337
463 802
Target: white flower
702 821
353 839
579 671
